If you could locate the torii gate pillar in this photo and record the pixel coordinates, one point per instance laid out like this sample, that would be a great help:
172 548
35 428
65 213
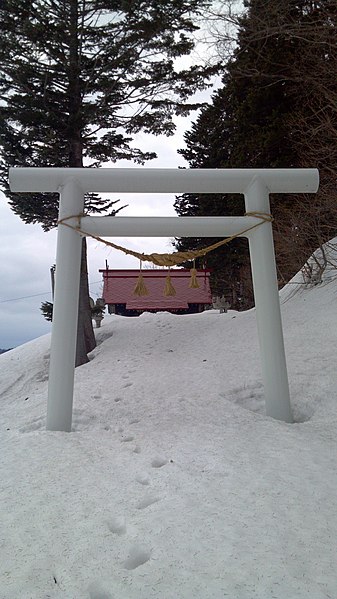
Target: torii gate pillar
65 313
267 304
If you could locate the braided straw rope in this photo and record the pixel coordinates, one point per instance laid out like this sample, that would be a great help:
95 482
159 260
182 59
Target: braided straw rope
174 258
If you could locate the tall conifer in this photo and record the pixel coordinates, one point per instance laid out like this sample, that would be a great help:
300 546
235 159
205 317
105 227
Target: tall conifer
78 79
277 108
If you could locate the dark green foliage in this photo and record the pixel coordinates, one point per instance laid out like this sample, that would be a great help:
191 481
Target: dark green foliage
47 310
97 311
208 146
285 70
79 79
276 108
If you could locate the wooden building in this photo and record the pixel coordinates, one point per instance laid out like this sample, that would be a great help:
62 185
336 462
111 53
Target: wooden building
119 296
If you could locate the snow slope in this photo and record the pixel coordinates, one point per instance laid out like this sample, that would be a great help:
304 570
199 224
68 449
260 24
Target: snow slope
174 484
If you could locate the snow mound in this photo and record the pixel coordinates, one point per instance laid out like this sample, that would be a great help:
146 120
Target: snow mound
320 268
174 483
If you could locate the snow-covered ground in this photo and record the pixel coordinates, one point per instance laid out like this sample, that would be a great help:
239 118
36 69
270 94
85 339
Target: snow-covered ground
173 483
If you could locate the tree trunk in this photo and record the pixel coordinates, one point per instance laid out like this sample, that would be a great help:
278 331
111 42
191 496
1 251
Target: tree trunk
85 333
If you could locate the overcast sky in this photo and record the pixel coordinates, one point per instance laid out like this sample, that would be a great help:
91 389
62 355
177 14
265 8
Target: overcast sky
27 253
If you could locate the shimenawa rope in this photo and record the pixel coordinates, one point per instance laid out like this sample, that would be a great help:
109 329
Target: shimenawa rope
173 259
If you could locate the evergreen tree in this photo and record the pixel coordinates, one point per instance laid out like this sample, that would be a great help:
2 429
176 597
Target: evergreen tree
269 113
78 78
47 310
207 147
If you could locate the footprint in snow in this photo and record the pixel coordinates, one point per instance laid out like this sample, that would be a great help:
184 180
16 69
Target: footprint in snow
138 555
127 438
34 425
158 462
143 479
147 501
96 591
127 385
117 525
249 397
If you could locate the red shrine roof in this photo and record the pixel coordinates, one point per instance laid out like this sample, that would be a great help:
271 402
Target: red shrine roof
119 287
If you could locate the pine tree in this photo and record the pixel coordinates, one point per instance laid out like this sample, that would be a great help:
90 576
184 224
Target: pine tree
207 147
78 79
271 113
288 53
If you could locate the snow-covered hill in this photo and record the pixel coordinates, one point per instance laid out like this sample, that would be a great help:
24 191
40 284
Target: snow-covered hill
174 484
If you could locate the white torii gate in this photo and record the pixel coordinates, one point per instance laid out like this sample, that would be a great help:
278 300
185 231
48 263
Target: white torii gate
73 183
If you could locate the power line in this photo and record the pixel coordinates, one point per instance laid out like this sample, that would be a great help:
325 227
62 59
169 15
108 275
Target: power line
15 299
